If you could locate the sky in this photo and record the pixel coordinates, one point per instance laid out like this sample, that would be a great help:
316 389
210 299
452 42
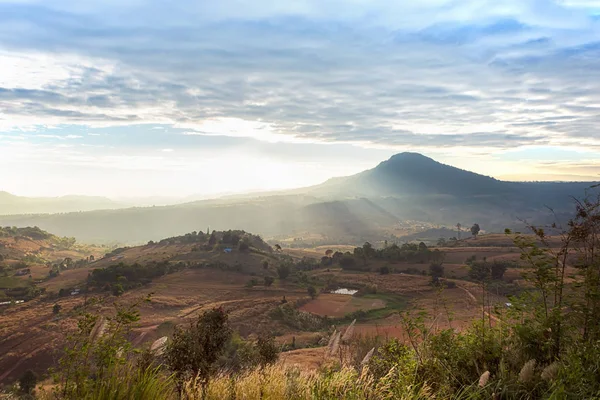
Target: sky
136 98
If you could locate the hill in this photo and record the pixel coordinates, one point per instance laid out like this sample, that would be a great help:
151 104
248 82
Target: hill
11 204
413 174
366 206
29 257
264 290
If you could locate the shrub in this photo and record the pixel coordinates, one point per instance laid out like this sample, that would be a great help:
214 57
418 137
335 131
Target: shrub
27 381
283 271
269 281
268 353
193 352
436 271
304 321
347 261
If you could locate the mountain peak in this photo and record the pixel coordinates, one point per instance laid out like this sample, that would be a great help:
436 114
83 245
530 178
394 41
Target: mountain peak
408 159
408 155
411 173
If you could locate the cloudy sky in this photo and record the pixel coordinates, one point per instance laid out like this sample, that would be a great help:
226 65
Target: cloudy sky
156 98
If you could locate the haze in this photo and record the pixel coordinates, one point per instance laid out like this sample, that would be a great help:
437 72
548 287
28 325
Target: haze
140 98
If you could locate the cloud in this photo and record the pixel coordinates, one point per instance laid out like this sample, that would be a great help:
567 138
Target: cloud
429 74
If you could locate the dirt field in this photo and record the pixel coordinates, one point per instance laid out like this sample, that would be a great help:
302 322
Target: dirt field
30 333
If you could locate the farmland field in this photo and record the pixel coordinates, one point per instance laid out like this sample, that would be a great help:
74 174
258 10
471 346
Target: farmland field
31 334
338 305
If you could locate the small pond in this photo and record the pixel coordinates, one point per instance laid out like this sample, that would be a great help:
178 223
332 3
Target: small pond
349 292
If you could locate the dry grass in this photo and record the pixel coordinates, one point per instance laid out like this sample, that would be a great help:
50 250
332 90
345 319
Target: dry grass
29 333
277 382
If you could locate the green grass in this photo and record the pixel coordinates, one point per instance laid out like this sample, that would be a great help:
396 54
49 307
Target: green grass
394 303
10 282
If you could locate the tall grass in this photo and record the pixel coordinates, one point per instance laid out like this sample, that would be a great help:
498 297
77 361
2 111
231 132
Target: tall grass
125 382
279 382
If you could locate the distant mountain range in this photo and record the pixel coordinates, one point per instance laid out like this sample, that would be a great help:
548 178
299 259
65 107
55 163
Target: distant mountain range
365 206
11 204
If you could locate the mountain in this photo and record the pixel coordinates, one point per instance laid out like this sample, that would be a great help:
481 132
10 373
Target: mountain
11 204
414 174
370 205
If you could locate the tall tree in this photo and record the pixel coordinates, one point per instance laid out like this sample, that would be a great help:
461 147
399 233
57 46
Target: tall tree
193 352
475 230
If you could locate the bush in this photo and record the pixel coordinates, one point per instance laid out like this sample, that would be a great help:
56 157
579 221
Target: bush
384 270
436 271
347 262
283 271
244 246
193 352
304 321
251 283
268 353
269 281
27 381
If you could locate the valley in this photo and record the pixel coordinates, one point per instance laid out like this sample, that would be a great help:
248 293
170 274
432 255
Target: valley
246 277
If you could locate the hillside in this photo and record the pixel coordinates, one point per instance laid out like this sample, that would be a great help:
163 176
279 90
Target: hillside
366 206
413 174
235 270
30 257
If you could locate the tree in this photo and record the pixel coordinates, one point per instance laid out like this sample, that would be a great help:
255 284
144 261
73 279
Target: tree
312 292
265 264
479 271
336 256
251 283
56 308
368 250
213 239
498 269
117 289
244 245
475 230
384 270
268 353
326 261
27 381
458 227
283 271
436 271
329 252
269 281
193 352
277 247
347 262
441 242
